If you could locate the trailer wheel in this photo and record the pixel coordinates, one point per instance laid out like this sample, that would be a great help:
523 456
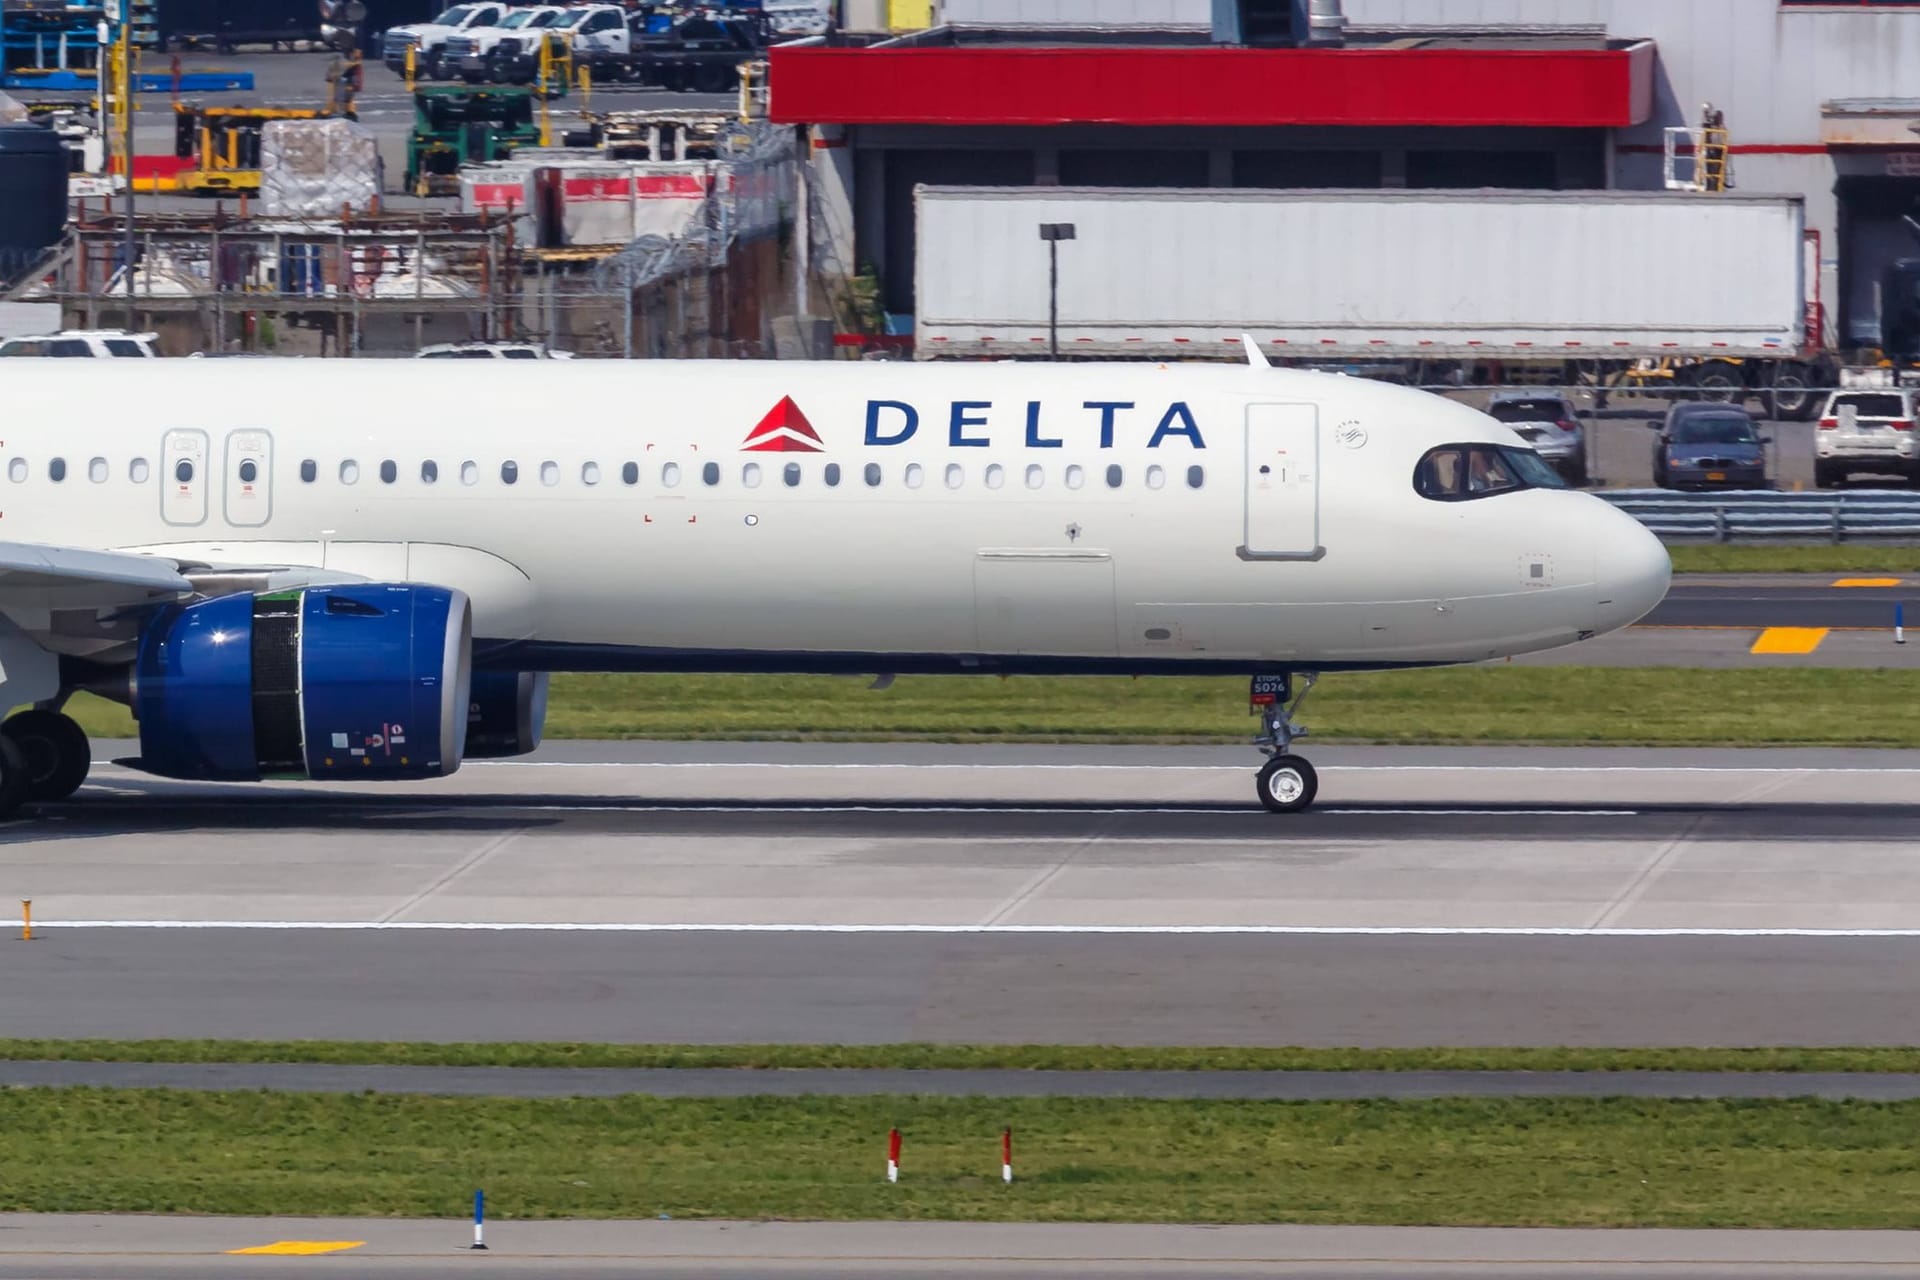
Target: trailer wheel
1794 397
1720 382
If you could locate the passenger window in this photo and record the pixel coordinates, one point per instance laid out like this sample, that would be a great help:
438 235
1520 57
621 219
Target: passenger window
1076 476
956 475
469 473
916 475
17 469
669 475
97 470
549 474
137 470
349 471
1196 476
509 473
831 474
249 471
872 475
57 470
791 474
630 473
996 476
710 474
1156 477
589 473
429 472
1036 476
183 471
309 470
750 475
1114 476
389 471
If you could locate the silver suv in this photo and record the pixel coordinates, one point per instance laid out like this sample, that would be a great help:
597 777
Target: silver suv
1868 431
1546 421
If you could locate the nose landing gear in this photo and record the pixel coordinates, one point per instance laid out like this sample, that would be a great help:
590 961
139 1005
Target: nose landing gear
1286 783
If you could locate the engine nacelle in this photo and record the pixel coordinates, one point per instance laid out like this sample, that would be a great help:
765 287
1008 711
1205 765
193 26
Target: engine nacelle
368 682
507 714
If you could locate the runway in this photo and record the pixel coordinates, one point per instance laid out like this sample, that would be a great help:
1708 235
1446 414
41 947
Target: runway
743 892
49 1247
1786 600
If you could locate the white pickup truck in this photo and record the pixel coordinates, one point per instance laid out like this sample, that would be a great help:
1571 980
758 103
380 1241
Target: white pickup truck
597 33
479 54
429 39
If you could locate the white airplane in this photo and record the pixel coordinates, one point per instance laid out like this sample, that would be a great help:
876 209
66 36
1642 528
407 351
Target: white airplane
366 570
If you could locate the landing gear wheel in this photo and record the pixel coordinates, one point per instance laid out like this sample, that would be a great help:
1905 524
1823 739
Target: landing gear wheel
54 753
1287 784
13 778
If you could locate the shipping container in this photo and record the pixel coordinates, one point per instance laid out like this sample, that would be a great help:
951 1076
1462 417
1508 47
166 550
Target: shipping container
1343 275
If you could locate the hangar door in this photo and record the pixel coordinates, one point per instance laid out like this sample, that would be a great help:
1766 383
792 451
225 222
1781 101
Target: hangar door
1283 482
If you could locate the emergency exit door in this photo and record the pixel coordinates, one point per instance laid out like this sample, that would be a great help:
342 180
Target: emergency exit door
1283 483
249 478
184 478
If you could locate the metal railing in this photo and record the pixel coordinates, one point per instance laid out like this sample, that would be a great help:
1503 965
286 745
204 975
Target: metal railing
1830 516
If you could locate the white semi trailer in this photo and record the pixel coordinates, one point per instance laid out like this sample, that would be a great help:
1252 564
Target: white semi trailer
1696 294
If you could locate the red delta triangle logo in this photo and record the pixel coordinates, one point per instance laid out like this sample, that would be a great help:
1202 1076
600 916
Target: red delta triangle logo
784 430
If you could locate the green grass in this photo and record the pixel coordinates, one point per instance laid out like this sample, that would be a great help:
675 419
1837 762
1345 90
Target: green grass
1660 706
1028 1057
1853 557
1520 1162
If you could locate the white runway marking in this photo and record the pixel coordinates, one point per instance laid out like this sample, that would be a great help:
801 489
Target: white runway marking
1224 930
1180 768
986 808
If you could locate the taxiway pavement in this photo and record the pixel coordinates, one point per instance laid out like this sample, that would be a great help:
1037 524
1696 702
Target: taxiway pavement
746 892
696 1082
49 1247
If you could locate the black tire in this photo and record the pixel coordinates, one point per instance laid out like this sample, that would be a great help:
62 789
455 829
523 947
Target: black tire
13 778
1577 472
1825 477
432 67
1794 398
1286 784
714 79
55 751
1720 382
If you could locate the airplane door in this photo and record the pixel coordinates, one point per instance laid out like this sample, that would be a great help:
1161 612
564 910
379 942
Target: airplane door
184 478
249 476
1283 483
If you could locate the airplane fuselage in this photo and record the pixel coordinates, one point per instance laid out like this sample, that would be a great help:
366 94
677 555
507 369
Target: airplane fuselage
844 516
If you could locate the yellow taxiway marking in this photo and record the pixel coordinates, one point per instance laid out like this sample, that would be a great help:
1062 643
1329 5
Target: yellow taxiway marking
303 1248
1866 582
1789 640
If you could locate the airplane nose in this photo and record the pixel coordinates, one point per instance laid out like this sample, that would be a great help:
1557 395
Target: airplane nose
1631 570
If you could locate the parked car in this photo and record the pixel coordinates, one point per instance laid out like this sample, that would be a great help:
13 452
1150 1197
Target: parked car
1709 446
1549 423
491 351
83 343
1866 431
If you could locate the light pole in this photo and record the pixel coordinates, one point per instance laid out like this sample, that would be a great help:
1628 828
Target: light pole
1053 233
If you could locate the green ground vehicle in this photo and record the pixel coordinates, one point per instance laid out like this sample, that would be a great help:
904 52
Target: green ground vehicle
462 124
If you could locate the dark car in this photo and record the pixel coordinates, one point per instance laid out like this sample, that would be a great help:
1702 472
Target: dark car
1709 446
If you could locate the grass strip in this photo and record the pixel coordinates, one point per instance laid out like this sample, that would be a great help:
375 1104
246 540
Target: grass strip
1847 558
1653 706
1519 1162
927 1057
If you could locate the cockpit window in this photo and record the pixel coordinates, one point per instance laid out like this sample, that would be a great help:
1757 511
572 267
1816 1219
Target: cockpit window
1457 472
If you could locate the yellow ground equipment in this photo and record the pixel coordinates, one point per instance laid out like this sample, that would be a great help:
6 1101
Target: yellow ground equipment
224 145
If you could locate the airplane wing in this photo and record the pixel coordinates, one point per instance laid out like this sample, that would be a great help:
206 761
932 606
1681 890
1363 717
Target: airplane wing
35 577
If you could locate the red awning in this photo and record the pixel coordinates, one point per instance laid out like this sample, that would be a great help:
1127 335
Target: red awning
1188 85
